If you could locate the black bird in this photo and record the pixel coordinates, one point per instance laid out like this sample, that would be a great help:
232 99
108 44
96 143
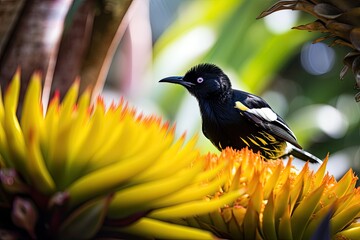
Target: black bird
237 119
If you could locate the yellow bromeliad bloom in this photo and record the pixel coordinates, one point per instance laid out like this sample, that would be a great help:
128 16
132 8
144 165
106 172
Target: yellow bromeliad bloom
79 170
276 202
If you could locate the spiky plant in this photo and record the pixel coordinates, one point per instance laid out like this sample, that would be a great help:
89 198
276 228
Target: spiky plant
339 19
79 171
276 202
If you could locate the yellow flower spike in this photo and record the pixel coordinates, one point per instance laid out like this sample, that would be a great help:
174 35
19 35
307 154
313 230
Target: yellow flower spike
109 178
308 185
194 208
172 160
79 126
80 157
12 94
212 173
32 116
32 127
250 223
95 129
257 198
37 171
4 149
253 182
285 228
268 220
282 198
51 123
83 107
342 219
68 104
316 220
285 173
302 213
129 135
14 135
111 135
60 152
297 189
271 182
191 193
152 228
344 203
352 233
235 183
51 128
4 154
2 111
346 183
121 208
319 175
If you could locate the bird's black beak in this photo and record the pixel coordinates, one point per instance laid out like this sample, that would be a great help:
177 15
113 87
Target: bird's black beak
177 80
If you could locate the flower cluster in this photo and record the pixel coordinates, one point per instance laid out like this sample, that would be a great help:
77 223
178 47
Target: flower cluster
278 201
81 170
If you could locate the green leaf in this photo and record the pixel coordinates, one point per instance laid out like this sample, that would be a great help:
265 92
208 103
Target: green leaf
86 220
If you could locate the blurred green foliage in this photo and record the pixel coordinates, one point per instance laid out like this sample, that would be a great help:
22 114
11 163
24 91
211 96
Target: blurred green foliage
266 63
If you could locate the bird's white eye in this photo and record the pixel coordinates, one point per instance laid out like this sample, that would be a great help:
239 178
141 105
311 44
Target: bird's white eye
200 80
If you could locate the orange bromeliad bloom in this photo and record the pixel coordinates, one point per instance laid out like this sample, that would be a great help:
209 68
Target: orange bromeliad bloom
277 201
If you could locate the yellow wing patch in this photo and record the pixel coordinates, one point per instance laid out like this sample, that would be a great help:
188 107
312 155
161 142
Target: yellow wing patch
241 106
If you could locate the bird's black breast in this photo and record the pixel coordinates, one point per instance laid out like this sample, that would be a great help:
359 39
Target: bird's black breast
222 125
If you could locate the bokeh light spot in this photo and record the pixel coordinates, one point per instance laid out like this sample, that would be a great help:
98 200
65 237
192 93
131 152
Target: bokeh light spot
281 22
318 58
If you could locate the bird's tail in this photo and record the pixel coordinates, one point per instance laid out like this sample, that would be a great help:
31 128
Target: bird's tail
303 155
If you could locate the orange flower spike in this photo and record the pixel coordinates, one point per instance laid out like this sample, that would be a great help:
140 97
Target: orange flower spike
296 191
320 173
346 183
285 173
270 183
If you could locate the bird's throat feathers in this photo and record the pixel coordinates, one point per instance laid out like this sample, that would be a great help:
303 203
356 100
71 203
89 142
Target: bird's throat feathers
216 105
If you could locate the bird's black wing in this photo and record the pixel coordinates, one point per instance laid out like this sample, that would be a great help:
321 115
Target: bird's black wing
256 110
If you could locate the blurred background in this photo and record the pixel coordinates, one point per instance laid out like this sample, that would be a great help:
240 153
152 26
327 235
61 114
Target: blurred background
128 46
300 80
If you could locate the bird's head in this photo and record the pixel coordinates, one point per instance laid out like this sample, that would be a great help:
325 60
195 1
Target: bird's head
203 81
